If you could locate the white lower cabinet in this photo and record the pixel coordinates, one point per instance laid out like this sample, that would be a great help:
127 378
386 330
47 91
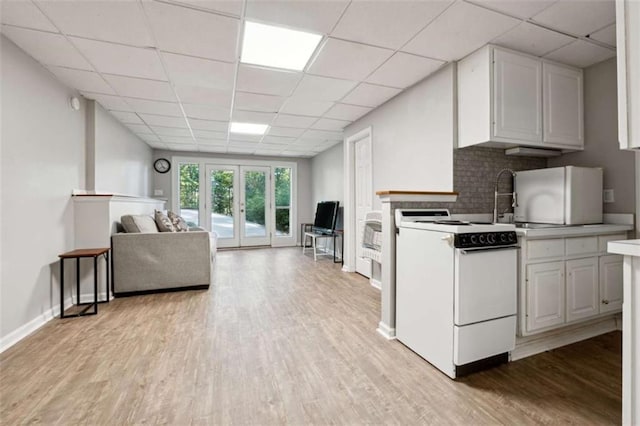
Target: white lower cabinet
545 295
611 283
582 288
567 280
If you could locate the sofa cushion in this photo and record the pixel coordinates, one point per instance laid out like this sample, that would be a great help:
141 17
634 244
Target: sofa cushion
178 222
140 223
163 222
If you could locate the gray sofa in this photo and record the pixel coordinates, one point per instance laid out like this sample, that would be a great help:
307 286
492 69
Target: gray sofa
152 261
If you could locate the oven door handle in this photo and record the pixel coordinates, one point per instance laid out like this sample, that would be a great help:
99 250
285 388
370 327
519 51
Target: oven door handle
483 249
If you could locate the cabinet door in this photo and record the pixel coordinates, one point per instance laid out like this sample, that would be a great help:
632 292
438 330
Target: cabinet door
582 288
545 295
563 123
610 283
517 92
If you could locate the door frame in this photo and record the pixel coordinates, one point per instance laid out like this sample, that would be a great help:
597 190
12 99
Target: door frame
350 226
276 241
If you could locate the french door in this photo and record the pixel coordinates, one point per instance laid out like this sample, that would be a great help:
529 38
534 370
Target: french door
238 204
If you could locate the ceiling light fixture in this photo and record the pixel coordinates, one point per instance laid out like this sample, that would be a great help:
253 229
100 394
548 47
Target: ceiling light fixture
248 128
277 47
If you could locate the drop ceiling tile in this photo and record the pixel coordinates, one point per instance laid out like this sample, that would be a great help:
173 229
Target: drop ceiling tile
212 142
155 107
299 106
88 81
149 138
297 121
210 135
347 60
267 152
141 88
308 143
109 102
520 8
370 95
47 48
217 126
127 117
212 148
179 146
269 82
176 139
323 88
578 17
330 124
253 117
323 134
207 112
460 30
240 138
346 112
606 35
240 150
204 95
163 120
284 131
140 129
243 144
187 70
387 23
191 32
581 54
297 154
257 102
277 140
109 58
532 39
403 69
170 131
231 7
117 21
24 14
314 16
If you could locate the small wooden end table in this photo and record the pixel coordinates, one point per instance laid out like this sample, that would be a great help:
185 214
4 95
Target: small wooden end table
77 254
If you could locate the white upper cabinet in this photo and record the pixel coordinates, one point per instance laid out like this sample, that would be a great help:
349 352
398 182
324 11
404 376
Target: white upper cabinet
628 43
508 99
517 97
562 105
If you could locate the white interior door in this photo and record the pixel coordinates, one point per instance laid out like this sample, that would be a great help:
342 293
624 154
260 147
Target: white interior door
363 197
222 204
255 206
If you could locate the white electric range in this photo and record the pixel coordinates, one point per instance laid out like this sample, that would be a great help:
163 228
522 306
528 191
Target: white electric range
456 289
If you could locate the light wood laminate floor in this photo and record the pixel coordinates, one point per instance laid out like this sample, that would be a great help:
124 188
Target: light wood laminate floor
280 339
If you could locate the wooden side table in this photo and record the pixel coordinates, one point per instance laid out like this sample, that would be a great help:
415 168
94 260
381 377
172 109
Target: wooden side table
77 254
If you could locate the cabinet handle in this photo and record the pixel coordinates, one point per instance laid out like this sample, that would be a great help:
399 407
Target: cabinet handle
605 301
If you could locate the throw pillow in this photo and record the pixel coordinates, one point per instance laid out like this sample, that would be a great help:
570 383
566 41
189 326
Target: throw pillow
178 222
163 222
138 223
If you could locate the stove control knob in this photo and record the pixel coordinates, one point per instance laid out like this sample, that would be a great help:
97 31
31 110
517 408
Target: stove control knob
503 237
481 238
491 238
474 239
512 237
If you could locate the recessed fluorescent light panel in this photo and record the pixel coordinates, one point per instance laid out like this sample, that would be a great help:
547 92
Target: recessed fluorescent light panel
277 47
248 128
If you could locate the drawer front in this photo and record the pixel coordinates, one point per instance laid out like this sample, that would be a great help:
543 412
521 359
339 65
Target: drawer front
545 249
581 245
604 239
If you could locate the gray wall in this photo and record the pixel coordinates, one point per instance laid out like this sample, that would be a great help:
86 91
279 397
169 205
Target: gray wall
413 136
122 162
327 176
305 211
601 138
42 161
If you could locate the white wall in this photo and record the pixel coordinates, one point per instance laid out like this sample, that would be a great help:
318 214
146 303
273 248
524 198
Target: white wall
413 137
42 161
122 162
327 176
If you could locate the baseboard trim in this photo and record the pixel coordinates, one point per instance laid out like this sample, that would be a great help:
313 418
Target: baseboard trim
538 343
385 331
375 283
21 332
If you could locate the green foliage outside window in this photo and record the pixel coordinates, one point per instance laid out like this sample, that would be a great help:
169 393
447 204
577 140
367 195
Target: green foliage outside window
189 186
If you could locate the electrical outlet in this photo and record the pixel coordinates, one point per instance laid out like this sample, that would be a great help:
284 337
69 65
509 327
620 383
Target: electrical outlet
608 196
157 192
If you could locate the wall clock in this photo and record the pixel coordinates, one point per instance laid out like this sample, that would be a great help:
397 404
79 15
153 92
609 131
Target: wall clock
162 165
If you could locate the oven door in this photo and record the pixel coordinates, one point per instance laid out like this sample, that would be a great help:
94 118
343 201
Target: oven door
485 284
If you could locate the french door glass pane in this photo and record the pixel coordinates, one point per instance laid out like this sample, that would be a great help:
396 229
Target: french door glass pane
222 203
282 176
189 191
255 190
282 221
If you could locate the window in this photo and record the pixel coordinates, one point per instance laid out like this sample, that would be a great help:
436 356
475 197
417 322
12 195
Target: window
282 177
189 193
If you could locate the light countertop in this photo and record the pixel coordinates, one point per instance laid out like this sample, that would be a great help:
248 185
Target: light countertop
571 231
626 247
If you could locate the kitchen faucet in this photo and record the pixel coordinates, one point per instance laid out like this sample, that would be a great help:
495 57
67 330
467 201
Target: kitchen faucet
497 194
